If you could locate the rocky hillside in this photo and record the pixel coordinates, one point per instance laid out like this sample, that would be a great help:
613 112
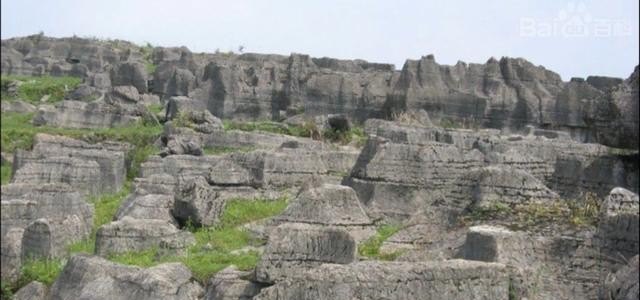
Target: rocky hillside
140 172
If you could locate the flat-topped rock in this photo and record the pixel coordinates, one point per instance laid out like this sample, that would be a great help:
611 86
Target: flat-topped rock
231 284
453 279
130 234
293 248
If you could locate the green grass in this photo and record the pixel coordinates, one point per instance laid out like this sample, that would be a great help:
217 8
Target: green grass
156 108
371 247
217 150
33 89
43 270
5 173
6 290
17 133
212 251
105 208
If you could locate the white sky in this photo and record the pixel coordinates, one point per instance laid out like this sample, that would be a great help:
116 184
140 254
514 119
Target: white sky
377 31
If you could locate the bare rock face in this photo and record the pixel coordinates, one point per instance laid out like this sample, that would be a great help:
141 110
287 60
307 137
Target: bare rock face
92 277
79 114
96 168
179 104
329 205
231 284
130 73
293 248
622 284
32 291
618 228
454 279
396 180
84 174
198 203
130 234
151 198
499 184
11 253
17 106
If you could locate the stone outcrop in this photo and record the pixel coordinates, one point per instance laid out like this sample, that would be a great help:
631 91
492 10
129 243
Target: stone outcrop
32 291
17 106
79 114
92 277
618 229
329 205
396 180
151 198
231 284
622 284
95 168
292 248
198 203
454 279
11 253
130 234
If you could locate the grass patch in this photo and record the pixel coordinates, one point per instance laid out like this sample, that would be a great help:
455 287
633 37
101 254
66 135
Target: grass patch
371 247
156 108
581 212
217 150
18 133
214 245
43 270
5 174
33 88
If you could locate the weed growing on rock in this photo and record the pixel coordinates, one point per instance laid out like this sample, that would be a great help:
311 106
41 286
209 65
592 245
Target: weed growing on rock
44 270
371 247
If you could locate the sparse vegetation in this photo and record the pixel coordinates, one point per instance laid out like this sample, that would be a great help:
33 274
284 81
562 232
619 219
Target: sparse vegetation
217 150
17 133
214 245
32 89
44 270
449 123
6 173
371 247
578 213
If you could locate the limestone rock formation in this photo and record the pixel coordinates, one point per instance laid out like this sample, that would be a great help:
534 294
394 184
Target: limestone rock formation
32 291
622 284
17 106
455 279
329 205
231 284
292 248
79 114
618 229
92 277
198 203
130 234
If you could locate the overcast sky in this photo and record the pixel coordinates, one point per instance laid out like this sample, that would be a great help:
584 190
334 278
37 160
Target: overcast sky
573 38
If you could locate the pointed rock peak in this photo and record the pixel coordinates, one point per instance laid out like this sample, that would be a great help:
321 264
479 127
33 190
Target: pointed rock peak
492 60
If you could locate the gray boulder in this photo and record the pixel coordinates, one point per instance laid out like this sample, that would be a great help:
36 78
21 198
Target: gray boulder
110 156
329 205
17 106
32 291
293 248
128 234
80 173
92 277
623 284
80 114
130 73
618 228
11 253
178 104
453 279
125 93
231 284
198 203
